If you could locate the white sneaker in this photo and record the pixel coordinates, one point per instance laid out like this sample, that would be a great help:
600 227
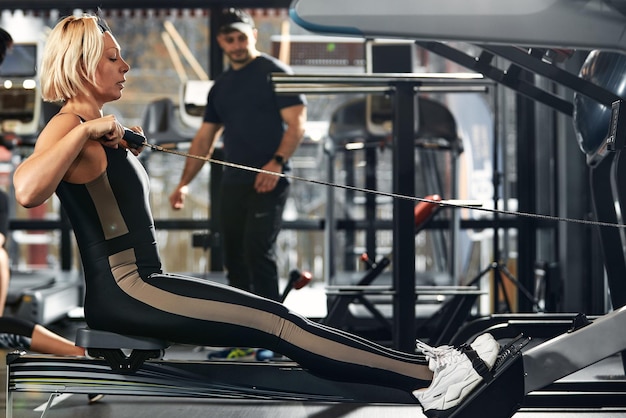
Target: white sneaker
457 371
435 355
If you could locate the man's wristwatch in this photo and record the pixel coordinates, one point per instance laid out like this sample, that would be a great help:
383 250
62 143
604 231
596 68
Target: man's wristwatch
280 159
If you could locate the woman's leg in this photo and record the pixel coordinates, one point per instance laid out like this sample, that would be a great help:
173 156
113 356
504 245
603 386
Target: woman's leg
42 340
195 311
45 341
201 312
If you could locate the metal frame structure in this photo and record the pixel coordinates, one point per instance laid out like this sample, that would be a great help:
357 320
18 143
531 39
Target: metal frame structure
537 26
403 89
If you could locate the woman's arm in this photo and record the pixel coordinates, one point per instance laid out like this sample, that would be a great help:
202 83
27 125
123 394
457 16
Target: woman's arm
64 151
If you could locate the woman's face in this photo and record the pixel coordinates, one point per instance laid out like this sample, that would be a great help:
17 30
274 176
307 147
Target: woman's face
111 71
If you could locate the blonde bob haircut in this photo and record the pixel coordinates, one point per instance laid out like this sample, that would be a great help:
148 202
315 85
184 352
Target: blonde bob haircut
73 50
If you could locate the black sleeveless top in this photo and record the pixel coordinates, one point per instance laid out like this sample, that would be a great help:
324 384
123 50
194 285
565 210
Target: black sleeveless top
111 216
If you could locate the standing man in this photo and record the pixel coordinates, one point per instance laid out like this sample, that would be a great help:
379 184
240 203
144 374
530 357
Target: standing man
260 129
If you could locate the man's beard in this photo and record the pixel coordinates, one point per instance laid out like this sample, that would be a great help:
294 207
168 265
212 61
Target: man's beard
240 57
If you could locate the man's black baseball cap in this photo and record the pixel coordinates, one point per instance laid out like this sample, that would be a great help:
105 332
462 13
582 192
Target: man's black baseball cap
236 19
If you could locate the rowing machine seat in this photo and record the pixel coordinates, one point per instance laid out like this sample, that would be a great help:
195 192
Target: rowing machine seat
109 345
91 338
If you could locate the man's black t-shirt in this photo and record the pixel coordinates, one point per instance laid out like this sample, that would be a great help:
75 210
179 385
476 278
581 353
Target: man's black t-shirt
244 101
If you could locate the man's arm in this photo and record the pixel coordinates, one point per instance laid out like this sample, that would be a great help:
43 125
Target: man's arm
294 118
202 144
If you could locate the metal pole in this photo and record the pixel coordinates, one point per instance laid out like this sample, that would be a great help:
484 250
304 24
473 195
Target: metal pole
403 217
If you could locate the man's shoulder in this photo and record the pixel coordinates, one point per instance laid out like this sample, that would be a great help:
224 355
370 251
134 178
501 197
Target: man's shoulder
273 64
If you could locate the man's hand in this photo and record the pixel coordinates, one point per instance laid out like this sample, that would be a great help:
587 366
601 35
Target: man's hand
266 182
177 198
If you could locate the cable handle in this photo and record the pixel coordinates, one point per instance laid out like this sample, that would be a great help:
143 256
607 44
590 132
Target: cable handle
134 139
